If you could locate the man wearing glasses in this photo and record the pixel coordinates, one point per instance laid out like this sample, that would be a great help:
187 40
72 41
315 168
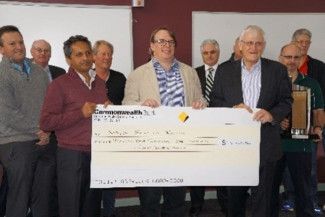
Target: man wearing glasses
41 53
297 152
167 82
210 55
255 82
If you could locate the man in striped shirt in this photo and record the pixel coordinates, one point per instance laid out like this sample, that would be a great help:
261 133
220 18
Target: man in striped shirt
210 55
255 82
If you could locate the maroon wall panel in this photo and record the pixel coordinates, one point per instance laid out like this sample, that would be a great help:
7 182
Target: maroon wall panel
87 2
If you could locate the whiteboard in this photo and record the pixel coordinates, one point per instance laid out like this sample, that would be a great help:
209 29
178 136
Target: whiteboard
278 28
57 22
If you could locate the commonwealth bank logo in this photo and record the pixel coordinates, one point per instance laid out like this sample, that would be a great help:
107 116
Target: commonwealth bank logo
183 117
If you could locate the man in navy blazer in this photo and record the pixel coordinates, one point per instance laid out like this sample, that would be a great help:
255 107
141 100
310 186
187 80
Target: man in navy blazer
210 52
255 82
41 53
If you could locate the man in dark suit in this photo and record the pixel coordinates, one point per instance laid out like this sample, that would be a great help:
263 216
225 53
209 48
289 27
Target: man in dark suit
255 82
41 53
210 55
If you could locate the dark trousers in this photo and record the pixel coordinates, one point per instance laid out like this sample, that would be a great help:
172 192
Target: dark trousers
289 190
299 165
109 201
45 182
76 198
21 163
197 197
3 194
314 178
260 195
173 205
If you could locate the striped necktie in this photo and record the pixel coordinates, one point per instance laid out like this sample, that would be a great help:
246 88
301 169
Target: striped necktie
209 83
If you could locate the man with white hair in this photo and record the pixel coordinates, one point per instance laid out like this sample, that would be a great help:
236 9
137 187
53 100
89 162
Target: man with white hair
255 82
210 52
41 55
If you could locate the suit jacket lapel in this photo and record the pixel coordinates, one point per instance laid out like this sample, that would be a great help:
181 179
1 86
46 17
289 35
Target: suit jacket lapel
201 74
264 81
237 83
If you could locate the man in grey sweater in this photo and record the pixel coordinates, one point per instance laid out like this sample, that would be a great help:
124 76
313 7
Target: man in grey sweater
22 89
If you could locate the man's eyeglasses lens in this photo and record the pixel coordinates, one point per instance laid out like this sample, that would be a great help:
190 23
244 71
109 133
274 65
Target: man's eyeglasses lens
252 43
40 50
164 42
291 57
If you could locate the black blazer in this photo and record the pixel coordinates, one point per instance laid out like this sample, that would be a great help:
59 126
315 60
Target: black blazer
56 71
275 97
316 70
201 73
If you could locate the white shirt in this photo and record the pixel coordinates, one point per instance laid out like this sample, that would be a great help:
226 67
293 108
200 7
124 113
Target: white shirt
92 75
206 67
251 83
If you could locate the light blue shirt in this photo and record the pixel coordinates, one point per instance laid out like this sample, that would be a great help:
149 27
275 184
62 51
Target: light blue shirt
47 70
171 85
251 83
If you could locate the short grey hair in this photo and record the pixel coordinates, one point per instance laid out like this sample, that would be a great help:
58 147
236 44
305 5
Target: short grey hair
40 41
252 28
300 32
102 42
209 41
67 45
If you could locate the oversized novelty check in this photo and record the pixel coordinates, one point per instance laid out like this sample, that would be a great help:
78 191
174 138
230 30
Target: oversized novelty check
174 146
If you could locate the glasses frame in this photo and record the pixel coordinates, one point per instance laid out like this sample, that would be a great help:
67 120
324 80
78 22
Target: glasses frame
163 42
253 43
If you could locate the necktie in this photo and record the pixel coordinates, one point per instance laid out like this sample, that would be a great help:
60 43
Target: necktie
209 83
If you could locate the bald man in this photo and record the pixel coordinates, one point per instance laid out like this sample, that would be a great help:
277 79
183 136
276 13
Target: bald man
297 152
41 53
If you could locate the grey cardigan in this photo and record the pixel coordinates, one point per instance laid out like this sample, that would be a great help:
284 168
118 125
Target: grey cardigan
21 99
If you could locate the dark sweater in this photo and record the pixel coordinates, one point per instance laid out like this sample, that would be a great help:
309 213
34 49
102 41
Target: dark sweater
316 70
62 113
115 87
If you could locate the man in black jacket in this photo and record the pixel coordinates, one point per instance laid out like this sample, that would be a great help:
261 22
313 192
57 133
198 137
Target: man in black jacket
41 53
255 82
210 55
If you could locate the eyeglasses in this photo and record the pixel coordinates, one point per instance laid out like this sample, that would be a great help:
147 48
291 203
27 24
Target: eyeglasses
209 52
40 50
253 43
289 57
307 42
163 42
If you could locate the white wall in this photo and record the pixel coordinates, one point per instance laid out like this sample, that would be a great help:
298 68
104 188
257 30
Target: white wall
278 27
56 23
